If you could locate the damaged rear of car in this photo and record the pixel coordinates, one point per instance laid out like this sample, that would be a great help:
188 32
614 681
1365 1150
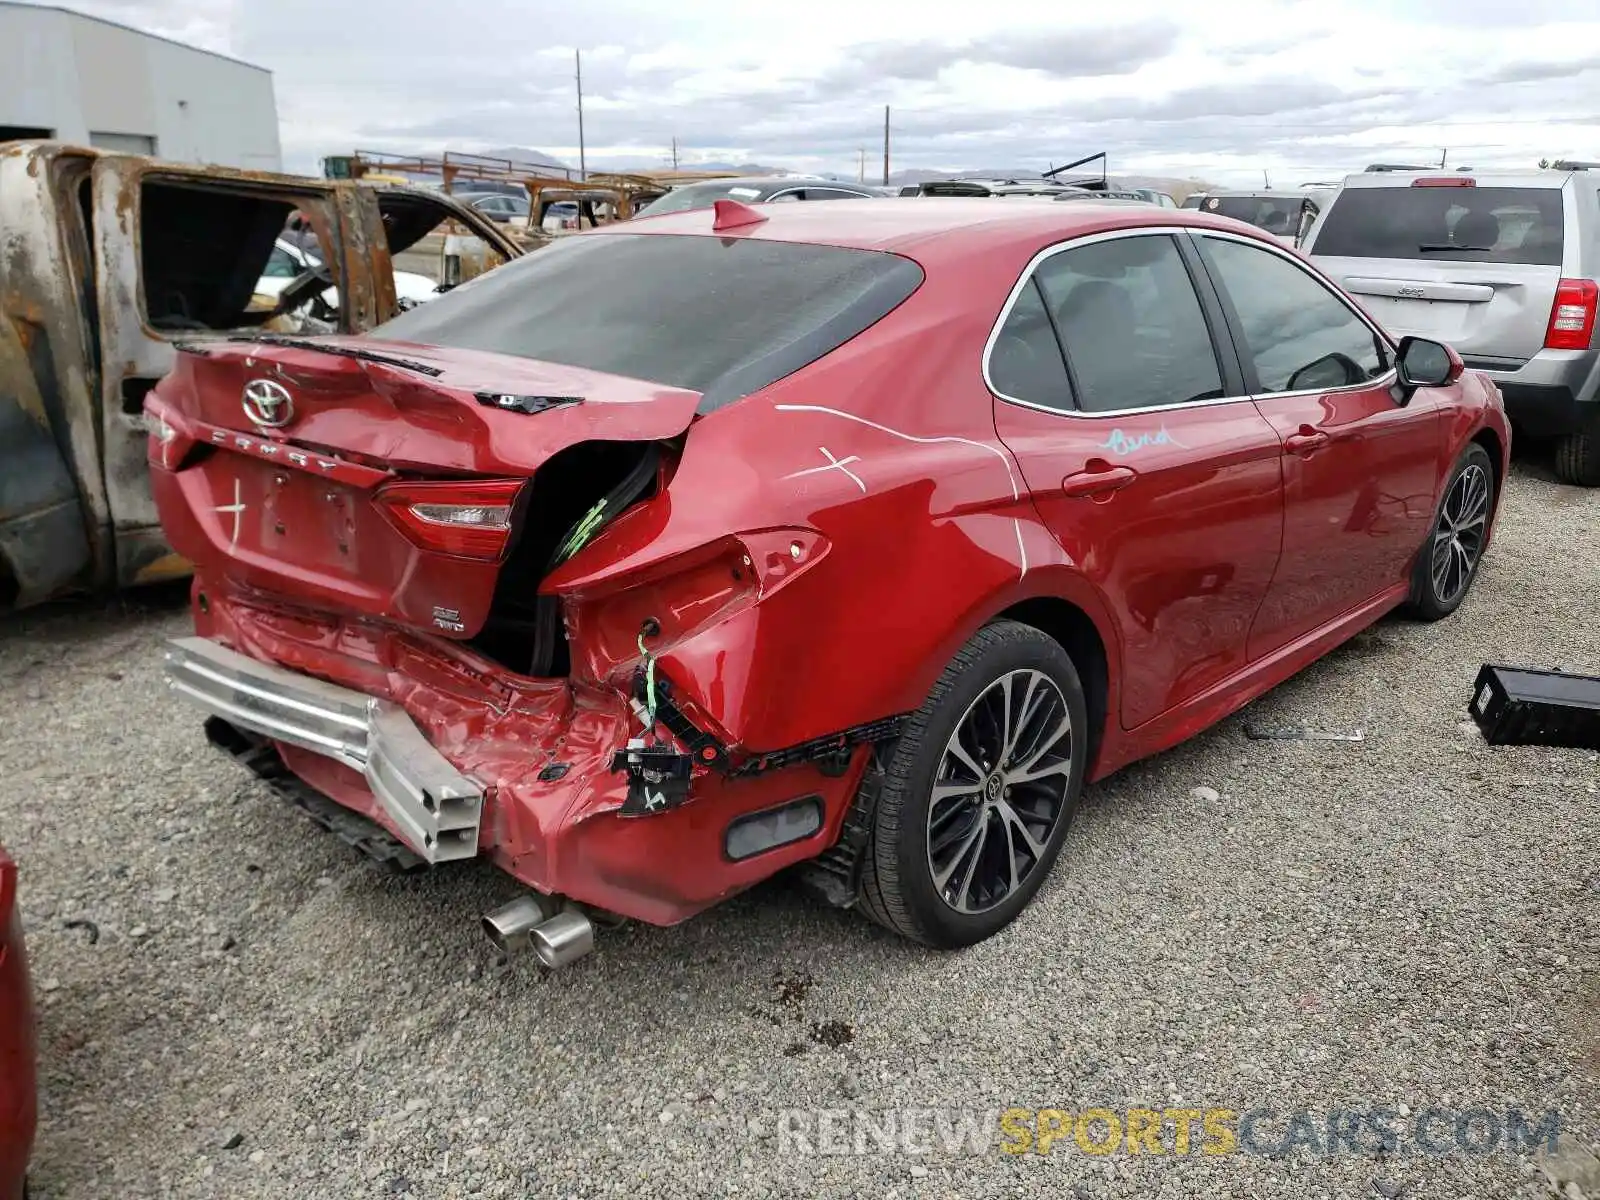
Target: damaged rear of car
106 262
455 577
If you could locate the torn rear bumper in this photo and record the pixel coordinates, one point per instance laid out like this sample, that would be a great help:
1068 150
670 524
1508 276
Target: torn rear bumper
373 718
433 807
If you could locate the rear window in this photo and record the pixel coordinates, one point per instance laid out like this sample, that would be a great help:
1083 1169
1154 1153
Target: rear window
721 316
1280 216
1445 224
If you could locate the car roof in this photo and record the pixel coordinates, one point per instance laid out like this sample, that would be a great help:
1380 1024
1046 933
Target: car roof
1519 179
1259 193
925 228
764 181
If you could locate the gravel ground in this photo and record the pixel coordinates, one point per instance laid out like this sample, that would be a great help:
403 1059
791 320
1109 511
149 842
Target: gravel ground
1413 920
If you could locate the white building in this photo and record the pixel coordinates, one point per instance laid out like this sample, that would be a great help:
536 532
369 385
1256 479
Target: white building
79 79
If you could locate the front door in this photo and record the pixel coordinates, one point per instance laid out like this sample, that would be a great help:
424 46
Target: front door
1144 455
1360 468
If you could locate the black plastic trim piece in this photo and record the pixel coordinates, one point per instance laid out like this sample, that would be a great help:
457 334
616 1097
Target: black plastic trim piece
262 758
524 404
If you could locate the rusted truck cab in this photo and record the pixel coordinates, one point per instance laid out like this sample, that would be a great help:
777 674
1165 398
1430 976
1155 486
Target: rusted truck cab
107 261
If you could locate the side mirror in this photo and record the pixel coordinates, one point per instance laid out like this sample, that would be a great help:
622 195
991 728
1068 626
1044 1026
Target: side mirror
1421 363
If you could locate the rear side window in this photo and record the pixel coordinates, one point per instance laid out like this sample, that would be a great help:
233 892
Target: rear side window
1299 334
1132 325
1445 224
721 316
1026 362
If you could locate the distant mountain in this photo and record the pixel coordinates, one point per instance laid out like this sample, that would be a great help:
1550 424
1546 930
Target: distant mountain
525 157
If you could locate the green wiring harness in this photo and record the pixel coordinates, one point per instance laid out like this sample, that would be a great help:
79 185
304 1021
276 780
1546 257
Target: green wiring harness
649 685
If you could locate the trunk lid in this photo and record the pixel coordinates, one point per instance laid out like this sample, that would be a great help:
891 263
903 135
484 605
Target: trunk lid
285 460
1491 310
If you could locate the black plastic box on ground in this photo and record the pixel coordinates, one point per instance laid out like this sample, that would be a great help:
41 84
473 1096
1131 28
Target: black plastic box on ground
1517 707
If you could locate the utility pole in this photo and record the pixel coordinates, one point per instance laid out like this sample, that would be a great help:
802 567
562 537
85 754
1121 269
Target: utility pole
1444 156
885 145
583 166
674 154
1266 180
861 173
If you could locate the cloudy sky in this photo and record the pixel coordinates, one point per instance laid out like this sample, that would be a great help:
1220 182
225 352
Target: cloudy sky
1222 91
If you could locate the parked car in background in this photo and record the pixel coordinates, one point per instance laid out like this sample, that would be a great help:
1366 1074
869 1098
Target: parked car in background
1153 196
1503 267
18 1093
1139 196
110 261
1286 215
563 214
971 188
756 189
507 210
288 263
611 602
1193 200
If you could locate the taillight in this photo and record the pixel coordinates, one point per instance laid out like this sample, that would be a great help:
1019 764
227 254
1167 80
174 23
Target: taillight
470 519
1445 181
1572 315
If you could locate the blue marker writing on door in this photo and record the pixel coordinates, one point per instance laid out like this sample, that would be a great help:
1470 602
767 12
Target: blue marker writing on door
1121 443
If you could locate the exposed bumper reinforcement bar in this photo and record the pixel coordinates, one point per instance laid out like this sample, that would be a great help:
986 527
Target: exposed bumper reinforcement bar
435 807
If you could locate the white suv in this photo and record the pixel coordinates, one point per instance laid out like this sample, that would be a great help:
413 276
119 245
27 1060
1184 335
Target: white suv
1503 267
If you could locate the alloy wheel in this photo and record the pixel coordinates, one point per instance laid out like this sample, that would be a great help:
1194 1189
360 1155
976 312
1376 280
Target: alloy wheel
1458 538
1000 791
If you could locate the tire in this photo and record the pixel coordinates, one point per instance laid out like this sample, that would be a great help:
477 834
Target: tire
897 886
1449 560
1578 455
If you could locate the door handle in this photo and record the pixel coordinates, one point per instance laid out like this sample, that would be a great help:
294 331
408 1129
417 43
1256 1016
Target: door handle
1306 439
1098 478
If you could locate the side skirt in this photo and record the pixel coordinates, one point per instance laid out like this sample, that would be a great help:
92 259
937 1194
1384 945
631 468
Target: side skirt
1231 694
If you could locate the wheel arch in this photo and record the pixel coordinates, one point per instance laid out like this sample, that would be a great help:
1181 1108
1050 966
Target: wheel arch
1076 632
1490 441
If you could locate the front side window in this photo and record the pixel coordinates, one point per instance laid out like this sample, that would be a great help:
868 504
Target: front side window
1025 363
1134 331
1299 334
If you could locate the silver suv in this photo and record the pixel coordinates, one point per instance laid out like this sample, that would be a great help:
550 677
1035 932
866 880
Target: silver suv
1503 267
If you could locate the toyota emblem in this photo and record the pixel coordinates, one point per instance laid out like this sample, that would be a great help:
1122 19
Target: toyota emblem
268 403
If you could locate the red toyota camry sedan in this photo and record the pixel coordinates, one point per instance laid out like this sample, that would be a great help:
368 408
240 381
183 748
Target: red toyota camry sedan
17 1099
855 537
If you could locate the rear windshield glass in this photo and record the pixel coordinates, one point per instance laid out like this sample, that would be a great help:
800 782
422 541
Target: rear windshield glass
701 195
1445 224
1275 216
721 316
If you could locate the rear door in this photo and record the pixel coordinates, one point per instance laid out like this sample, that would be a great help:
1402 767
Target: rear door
1360 470
1471 265
1143 454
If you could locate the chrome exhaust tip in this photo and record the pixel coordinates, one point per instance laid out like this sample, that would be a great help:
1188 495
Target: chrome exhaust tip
510 927
563 939
531 922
